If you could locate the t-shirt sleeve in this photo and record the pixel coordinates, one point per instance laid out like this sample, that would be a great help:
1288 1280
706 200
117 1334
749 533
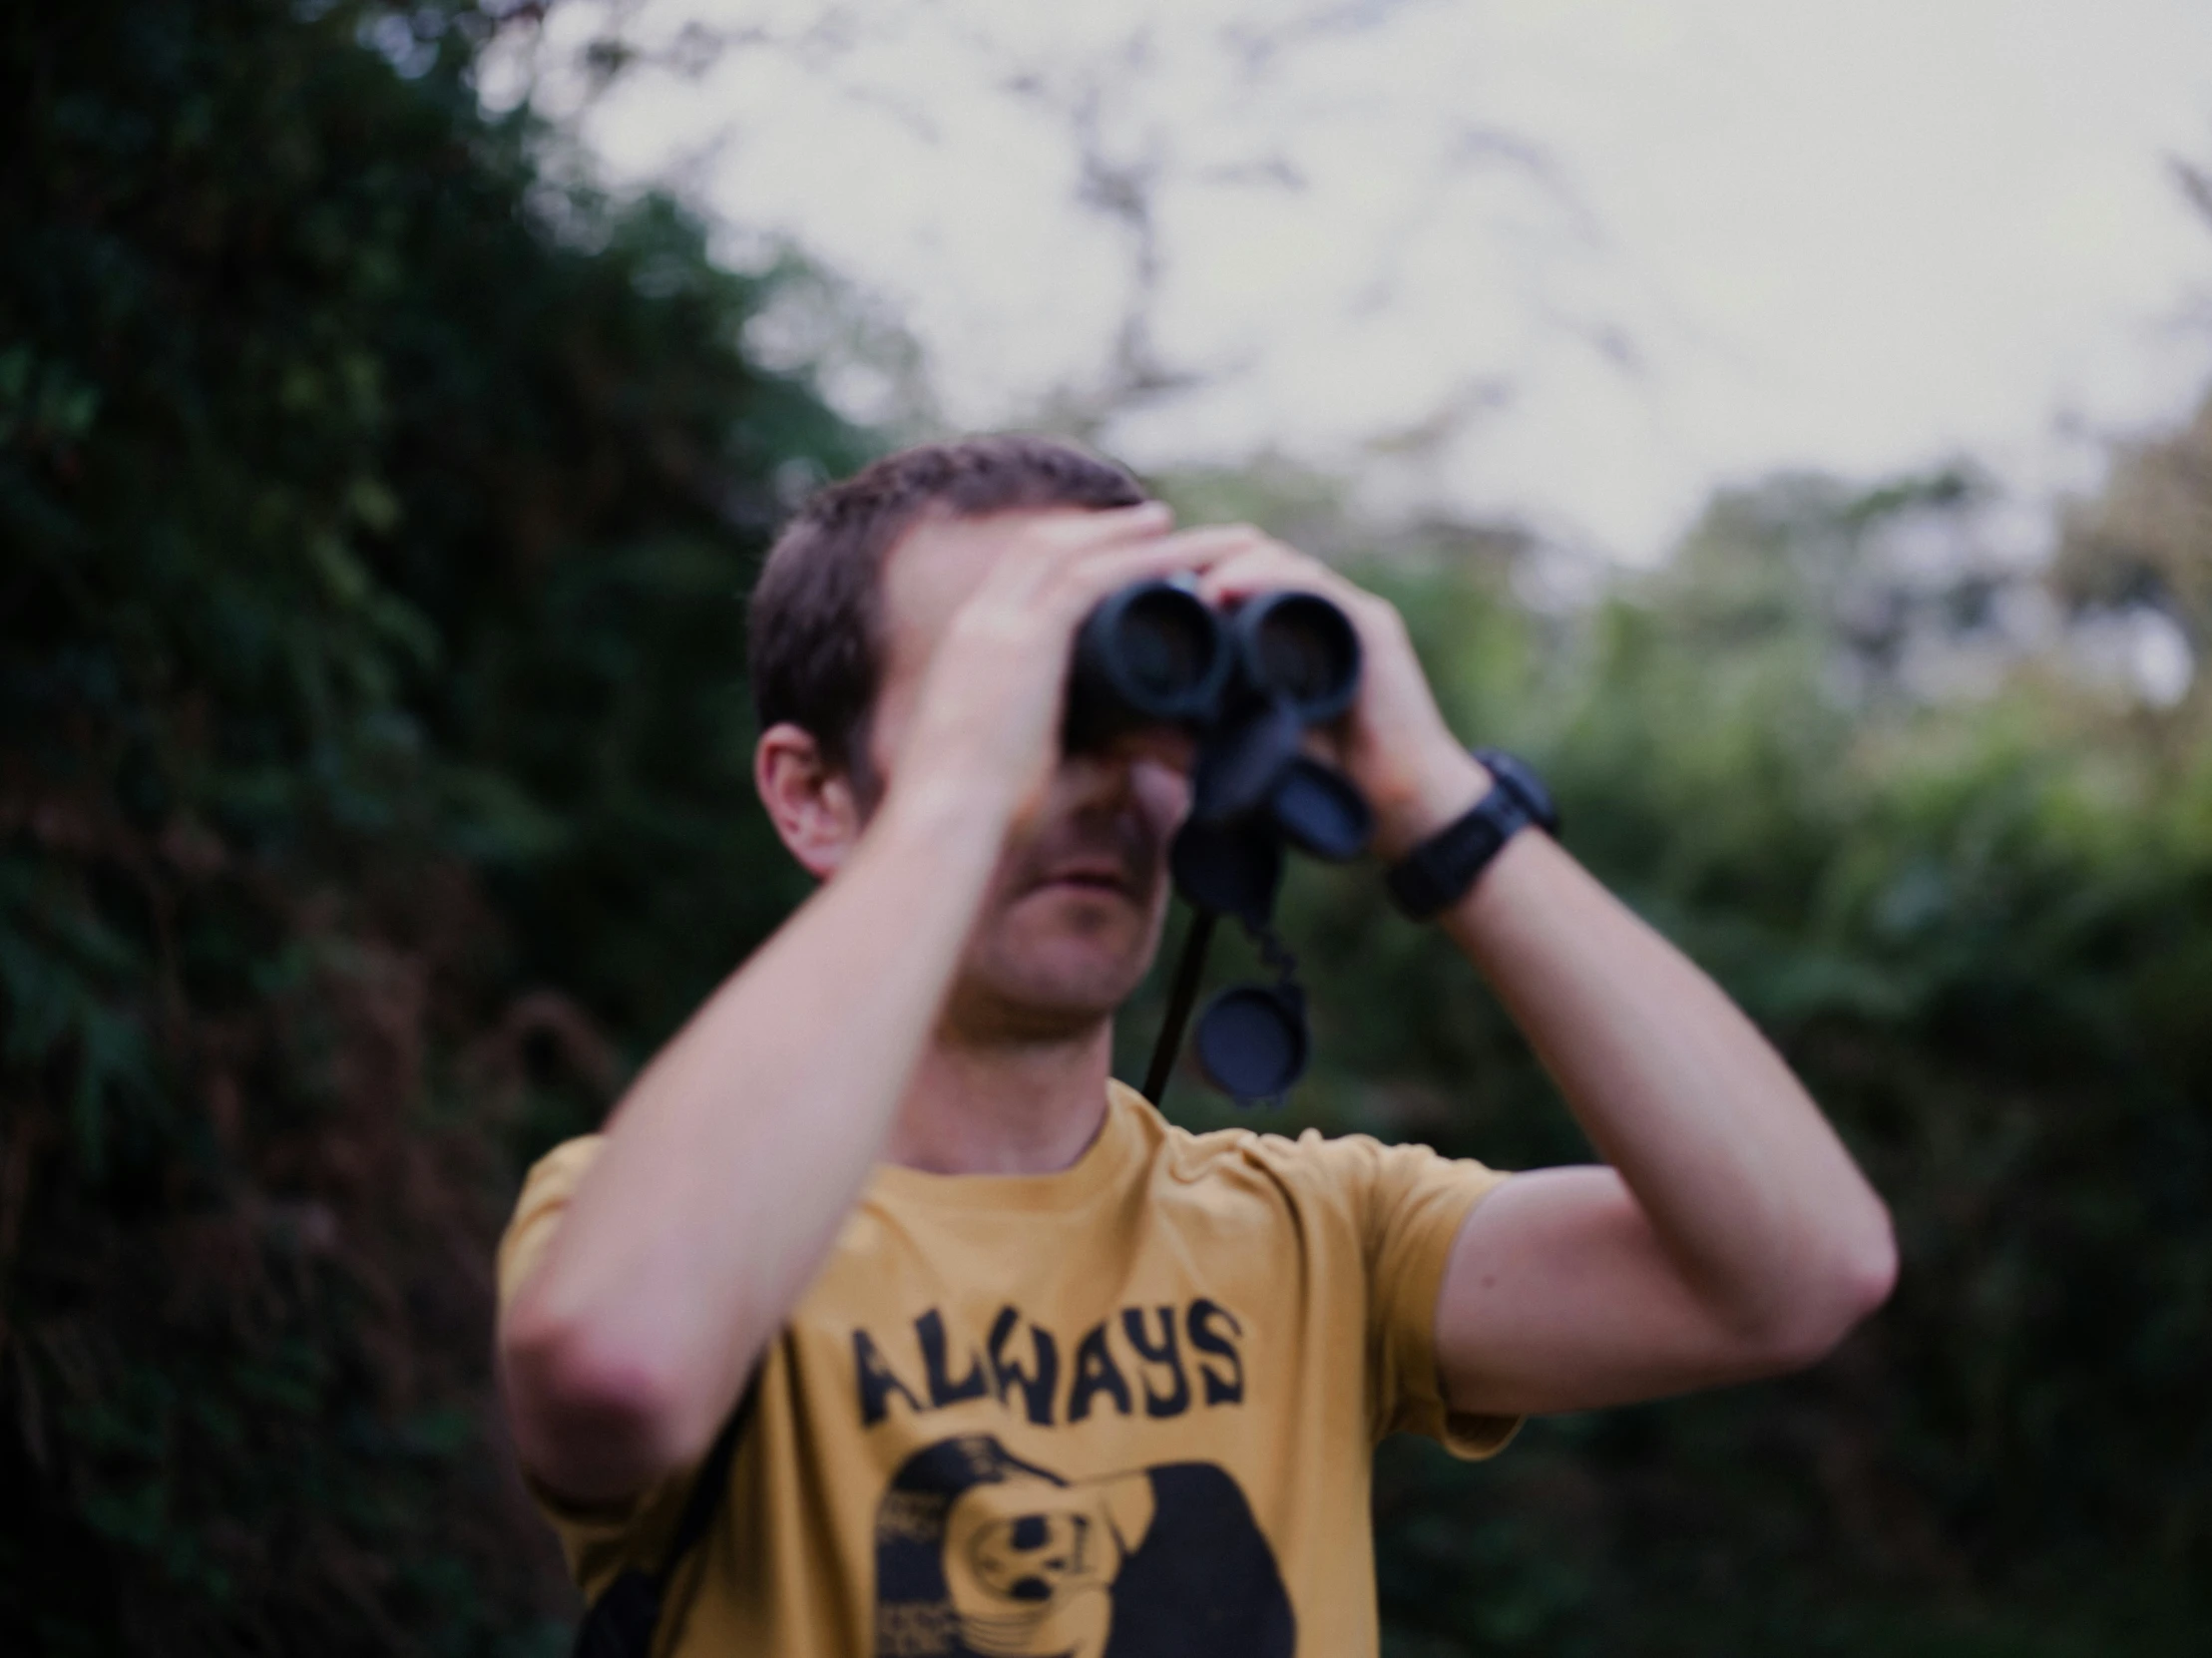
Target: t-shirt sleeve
597 1540
1410 1202
546 1191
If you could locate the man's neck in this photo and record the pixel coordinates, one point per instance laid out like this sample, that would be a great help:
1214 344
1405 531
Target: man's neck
1003 1108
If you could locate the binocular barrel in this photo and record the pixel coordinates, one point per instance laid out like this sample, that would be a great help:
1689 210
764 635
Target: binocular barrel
1299 648
1154 653
1150 654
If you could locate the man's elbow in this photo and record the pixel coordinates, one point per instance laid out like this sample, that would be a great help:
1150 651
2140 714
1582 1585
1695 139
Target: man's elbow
596 1418
1845 1279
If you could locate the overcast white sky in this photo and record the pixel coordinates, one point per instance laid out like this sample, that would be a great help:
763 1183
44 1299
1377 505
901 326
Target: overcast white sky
1576 261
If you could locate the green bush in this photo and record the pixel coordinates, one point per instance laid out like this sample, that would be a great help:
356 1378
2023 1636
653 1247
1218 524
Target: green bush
374 783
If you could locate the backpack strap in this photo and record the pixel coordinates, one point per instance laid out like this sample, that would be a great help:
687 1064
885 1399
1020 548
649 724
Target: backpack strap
623 1621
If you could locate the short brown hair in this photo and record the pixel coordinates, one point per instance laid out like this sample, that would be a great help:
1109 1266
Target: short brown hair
814 628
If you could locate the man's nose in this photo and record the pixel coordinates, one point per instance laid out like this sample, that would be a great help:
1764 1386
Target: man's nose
1163 745
1146 769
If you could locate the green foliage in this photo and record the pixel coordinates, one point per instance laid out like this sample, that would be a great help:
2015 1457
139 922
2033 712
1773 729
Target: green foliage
374 783
2142 541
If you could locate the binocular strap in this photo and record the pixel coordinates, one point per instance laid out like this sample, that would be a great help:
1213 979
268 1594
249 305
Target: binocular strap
1189 971
1284 1005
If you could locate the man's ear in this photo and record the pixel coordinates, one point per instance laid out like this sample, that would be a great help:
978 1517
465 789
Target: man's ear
814 807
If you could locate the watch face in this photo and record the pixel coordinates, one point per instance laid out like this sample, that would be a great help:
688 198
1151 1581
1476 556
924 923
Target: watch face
1522 782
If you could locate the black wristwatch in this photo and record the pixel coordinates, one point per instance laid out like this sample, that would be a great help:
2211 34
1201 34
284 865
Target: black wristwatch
1430 877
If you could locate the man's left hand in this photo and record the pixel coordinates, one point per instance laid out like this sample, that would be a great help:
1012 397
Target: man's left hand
1394 742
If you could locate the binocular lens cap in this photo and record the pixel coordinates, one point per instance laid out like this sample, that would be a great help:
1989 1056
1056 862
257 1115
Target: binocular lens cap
1251 1041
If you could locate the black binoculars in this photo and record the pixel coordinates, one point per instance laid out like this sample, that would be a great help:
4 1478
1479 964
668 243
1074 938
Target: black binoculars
1247 683
1156 653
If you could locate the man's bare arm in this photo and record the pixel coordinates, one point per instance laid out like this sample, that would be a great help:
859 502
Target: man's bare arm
730 1161
1729 1235
735 1155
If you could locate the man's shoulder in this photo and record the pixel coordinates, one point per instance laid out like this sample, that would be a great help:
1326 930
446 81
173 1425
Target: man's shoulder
1352 1174
1309 1163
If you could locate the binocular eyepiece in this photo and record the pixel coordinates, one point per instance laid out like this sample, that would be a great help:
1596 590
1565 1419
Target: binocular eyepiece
1247 682
1154 653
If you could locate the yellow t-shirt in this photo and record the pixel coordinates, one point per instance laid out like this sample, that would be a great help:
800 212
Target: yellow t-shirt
1125 1409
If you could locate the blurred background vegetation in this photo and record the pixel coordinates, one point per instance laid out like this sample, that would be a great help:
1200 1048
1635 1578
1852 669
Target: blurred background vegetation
376 505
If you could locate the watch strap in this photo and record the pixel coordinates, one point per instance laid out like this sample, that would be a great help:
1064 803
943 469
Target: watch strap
1430 877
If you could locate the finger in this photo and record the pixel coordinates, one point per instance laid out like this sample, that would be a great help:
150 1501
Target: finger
1269 565
1190 552
1207 545
1104 570
1146 518
1031 564
1078 534
1070 536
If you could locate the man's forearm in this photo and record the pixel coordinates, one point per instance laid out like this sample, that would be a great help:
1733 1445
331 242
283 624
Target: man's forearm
1745 1186
735 1155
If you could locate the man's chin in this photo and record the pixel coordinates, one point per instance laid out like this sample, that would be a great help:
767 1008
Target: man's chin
1061 995
993 1022
1058 962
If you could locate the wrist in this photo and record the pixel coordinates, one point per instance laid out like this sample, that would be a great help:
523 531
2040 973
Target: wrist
953 808
1435 793
1443 867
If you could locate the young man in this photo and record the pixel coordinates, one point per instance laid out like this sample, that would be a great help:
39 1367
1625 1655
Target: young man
1032 1371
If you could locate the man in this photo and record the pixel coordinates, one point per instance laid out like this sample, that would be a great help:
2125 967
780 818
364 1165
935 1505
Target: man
1031 1370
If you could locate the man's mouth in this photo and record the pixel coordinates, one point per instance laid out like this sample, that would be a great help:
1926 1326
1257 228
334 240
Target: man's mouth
1104 877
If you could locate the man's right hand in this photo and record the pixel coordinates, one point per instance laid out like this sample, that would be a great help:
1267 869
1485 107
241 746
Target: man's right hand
986 718
728 1167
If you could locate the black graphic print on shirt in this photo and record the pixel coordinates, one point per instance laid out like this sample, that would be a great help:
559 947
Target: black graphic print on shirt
979 1555
1161 1360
